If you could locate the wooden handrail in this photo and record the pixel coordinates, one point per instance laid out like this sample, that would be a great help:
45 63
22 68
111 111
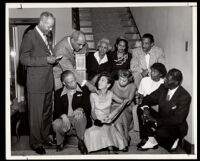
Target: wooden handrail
131 16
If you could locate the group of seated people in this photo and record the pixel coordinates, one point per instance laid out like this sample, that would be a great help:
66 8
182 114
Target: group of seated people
123 100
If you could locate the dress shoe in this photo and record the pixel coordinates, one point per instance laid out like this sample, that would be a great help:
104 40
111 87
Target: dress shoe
82 147
40 150
59 147
142 142
51 143
148 145
112 152
125 149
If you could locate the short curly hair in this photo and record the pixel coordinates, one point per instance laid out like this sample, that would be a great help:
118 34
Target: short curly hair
125 73
160 68
106 41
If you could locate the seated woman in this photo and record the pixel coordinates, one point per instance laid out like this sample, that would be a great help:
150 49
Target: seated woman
124 88
120 57
148 85
101 135
99 61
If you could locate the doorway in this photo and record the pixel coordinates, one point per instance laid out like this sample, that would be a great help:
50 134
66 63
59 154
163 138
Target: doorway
18 27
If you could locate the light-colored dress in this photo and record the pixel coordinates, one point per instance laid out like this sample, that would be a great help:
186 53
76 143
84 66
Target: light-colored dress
124 93
96 137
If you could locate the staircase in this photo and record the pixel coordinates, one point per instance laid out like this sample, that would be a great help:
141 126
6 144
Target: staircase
111 23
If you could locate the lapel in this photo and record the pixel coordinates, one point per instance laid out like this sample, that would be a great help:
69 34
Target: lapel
176 94
143 60
41 41
64 101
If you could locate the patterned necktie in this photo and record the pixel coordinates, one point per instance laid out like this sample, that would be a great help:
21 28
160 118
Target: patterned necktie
47 43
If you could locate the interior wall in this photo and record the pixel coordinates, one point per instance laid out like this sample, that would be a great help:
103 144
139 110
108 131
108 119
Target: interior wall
171 28
63 18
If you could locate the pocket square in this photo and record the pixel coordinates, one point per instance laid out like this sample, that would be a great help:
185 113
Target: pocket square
78 95
174 107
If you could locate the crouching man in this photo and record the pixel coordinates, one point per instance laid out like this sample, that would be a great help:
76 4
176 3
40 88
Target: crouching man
168 126
71 111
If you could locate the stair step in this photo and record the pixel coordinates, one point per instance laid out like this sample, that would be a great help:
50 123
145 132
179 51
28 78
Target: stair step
89 37
85 23
131 29
86 29
85 18
125 18
91 44
132 36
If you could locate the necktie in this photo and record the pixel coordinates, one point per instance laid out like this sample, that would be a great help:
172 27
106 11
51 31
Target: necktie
47 43
168 96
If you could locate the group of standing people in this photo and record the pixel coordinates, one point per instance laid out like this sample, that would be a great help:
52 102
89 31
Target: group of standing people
60 101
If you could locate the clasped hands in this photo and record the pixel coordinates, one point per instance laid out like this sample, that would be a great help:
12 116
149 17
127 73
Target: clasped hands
148 119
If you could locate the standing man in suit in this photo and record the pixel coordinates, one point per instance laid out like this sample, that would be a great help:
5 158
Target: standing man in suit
72 110
68 47
144 57
36 56
169 125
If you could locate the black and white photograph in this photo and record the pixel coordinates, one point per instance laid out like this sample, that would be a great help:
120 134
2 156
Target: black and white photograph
101 80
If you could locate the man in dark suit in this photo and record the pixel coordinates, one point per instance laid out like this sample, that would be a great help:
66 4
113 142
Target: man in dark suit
37 58
71 111
169 125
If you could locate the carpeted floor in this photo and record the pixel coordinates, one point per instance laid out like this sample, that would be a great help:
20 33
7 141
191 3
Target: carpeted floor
21 148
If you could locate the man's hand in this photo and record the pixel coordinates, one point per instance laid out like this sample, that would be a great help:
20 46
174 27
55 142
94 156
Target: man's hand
150 118
146 111
145 72
78 113
51 59
127 101
151 122
66 122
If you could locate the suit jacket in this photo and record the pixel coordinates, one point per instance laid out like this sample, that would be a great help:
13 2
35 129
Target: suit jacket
173 112
138 61
67 62
80 100
33 54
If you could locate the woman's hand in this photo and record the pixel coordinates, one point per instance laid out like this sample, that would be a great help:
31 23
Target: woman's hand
98 123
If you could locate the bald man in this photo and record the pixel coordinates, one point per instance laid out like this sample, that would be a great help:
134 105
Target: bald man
68 47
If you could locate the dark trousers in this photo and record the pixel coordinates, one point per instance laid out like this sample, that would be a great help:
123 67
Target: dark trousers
40 117
165 135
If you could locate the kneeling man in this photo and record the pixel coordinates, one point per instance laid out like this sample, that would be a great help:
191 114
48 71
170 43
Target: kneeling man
70 111
168 126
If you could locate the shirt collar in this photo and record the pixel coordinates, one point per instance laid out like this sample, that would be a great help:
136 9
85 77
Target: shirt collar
100 61
67 91
70 43
41 34
172 91
39 31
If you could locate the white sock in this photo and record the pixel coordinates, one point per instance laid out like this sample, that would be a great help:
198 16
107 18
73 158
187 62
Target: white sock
152 140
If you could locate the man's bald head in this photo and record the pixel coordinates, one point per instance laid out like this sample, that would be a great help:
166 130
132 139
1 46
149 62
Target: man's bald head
78 40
